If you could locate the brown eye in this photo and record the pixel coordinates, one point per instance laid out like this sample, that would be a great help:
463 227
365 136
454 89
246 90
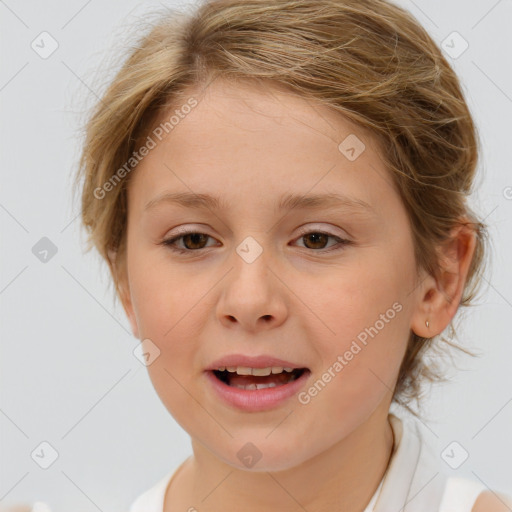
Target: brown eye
193 240
316 240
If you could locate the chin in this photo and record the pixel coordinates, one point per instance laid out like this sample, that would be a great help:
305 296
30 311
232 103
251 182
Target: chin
262 457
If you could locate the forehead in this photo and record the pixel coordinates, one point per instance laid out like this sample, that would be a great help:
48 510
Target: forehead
251 105
244 137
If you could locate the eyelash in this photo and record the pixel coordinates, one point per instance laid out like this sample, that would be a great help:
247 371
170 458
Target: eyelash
170 242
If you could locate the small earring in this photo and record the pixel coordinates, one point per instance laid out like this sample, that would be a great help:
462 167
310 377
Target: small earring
427 324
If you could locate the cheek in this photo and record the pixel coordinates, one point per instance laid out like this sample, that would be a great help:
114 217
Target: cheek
365 321
171 308
359 371
161 295
355 299
170 318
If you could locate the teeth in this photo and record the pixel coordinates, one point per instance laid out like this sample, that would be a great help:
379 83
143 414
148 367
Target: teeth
257 386
243 370
259 372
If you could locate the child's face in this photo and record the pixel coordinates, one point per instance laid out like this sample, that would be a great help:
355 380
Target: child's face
304 299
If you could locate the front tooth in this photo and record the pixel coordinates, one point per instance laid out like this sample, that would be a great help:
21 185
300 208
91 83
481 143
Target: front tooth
277 369
243 370
260 372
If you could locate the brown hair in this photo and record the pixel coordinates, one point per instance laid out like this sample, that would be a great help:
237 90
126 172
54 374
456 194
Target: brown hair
369 60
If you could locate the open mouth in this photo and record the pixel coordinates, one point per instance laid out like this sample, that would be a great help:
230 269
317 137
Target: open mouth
251 381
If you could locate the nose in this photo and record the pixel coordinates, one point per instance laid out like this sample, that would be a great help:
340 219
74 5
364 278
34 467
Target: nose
253 295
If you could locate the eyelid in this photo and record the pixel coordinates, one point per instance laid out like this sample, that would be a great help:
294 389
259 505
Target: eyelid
316 228
307 228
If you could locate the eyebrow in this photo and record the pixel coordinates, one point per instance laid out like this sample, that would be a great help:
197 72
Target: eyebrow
287 202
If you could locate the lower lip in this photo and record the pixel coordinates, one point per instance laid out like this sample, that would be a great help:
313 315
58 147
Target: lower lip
254 400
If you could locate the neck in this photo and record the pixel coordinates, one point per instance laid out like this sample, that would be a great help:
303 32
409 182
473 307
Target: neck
343 477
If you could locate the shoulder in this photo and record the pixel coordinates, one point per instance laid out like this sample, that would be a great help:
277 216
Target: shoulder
490 501
472 496
152 500
37 506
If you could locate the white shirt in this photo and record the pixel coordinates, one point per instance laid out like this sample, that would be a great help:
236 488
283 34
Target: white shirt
415 480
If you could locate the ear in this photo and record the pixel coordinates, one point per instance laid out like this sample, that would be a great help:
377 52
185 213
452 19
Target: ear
120 274
439 298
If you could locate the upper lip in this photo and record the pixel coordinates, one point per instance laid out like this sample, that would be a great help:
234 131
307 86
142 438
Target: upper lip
262 361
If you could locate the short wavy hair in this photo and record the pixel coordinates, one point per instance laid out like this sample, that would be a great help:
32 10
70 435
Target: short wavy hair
368 60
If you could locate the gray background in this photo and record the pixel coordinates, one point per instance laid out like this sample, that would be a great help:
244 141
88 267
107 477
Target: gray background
68 373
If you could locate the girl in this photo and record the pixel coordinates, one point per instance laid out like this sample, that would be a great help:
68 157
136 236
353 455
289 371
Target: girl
279 190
